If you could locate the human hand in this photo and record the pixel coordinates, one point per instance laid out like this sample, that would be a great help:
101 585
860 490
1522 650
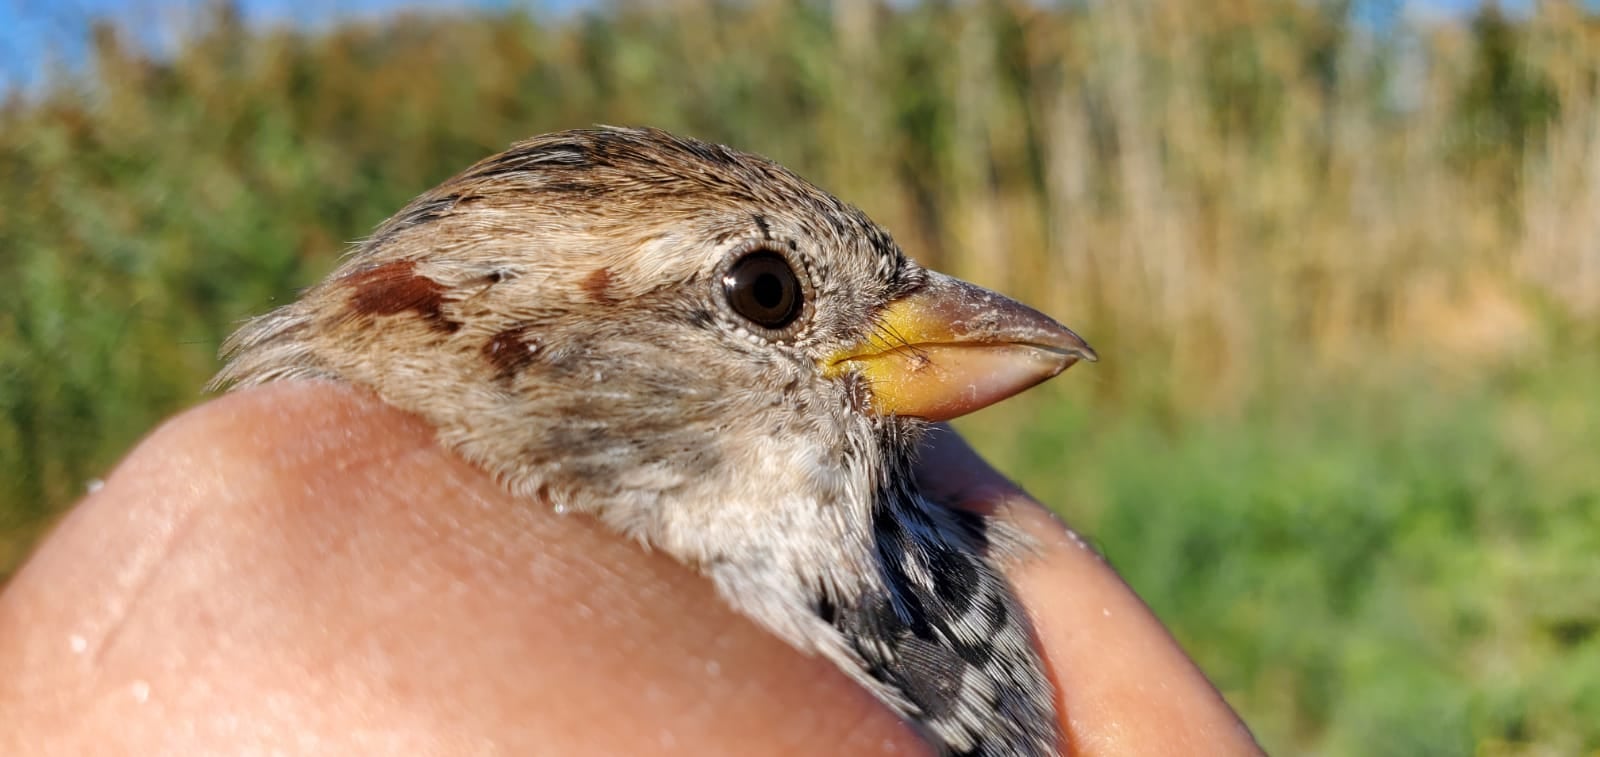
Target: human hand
300 568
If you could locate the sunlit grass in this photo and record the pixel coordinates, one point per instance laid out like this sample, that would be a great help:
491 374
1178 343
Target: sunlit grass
1372 571
1345 282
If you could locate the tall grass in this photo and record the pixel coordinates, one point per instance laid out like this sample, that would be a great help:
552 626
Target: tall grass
1346 279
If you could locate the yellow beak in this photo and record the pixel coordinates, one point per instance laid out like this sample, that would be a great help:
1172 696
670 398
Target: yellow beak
950 348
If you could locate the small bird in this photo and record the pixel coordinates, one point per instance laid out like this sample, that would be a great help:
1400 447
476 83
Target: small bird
716 358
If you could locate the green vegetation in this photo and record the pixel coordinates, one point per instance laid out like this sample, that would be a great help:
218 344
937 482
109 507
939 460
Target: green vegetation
1346 282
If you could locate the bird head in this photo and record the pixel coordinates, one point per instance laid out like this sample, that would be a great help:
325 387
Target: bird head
628 316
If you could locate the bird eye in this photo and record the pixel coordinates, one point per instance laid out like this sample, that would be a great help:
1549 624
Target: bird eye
763 288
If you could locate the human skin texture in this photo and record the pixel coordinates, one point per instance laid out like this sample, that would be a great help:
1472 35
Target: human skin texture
300 568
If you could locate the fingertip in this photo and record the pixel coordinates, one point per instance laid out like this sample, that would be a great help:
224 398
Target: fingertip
1125 686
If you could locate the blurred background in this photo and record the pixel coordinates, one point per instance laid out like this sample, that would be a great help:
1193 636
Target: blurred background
1341 261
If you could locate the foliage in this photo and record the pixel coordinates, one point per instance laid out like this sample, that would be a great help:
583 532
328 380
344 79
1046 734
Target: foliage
1346 279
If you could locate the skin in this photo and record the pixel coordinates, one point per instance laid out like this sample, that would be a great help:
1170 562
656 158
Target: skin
300 568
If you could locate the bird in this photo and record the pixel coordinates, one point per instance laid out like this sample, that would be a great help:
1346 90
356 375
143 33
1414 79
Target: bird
712 356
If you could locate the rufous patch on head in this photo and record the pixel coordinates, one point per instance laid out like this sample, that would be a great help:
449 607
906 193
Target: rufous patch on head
395 288
597 285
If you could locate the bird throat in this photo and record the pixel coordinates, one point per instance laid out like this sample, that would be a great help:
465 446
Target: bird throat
944 628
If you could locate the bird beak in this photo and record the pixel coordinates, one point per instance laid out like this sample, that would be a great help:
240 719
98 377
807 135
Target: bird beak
950 348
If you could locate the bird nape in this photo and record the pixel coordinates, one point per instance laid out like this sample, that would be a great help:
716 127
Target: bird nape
706 352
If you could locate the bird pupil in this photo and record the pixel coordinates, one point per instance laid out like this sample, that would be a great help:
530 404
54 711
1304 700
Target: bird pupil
762 287
768 291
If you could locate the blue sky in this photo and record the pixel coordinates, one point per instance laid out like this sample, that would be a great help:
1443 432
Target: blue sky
33 33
